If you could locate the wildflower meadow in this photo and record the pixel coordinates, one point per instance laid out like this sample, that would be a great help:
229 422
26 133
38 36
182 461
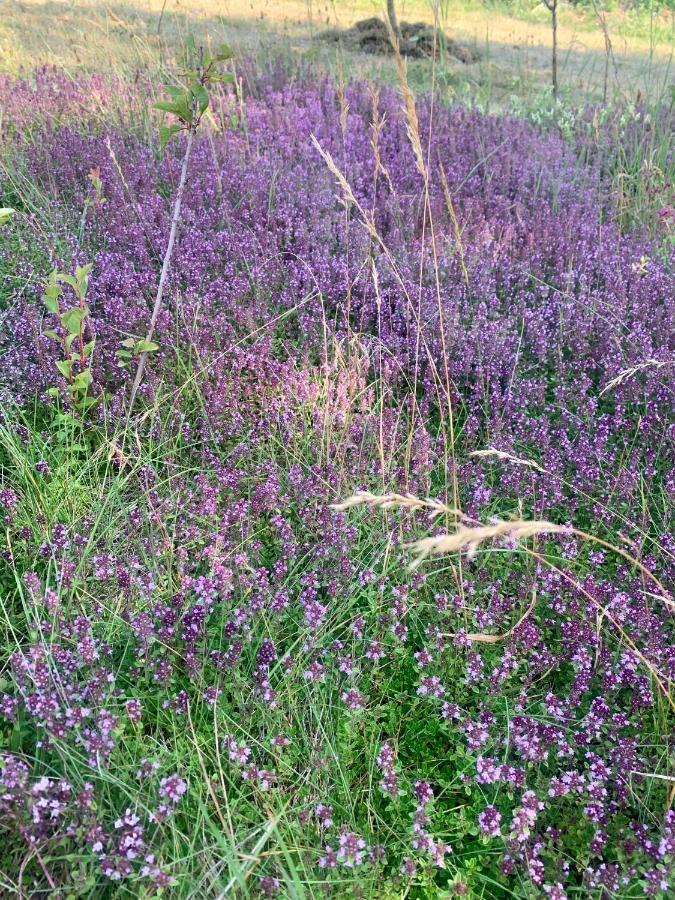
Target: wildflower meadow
336 486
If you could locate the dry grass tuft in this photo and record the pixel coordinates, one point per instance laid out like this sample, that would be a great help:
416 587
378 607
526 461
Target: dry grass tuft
631 371
470 538
465 538
500 454
388 501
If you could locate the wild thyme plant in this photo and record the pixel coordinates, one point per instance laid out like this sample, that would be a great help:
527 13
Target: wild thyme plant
212 683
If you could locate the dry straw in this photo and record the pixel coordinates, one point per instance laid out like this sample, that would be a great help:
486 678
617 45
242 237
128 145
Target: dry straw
410 110
470 538
456 230
519 461
466 538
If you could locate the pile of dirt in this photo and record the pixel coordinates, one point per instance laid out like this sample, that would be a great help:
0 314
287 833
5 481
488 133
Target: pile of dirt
417 40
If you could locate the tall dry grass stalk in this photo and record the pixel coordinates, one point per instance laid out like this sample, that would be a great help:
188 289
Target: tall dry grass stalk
456 230
391 501
376 129
367 222
410 110
470 538
423 167
500 454
442 381
467 538
492 452
344 121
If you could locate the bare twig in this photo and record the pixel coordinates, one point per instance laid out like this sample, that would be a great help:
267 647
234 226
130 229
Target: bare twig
552 7
166 264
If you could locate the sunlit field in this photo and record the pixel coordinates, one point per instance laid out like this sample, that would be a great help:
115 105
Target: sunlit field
336 452
511 39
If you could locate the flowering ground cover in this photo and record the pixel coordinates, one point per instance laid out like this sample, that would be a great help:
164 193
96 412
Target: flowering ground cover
212 681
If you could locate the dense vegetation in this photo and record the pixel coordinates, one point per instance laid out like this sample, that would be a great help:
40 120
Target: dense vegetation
212 682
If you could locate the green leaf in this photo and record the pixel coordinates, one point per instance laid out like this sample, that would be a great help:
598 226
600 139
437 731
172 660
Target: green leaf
71 319
222 77
69 279
64 366
52 294
82 381
88 349
223 53
200 94
146 346
82 277
129 342
166 132
174 91
82 272
169 106
6 213
50 333
180 106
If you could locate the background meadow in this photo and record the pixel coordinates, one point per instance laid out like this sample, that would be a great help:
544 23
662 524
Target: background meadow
429 287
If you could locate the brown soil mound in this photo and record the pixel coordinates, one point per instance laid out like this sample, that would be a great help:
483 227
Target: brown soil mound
417 40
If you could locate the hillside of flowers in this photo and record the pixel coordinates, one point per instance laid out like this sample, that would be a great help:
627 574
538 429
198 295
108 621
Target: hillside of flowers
213 682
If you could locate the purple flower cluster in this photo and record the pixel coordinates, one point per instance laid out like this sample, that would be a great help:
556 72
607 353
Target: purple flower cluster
422 841
540 270
489 821
50 812
240 755
525 816
386 763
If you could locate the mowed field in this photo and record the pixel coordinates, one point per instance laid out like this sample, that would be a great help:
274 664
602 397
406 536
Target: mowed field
514 46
